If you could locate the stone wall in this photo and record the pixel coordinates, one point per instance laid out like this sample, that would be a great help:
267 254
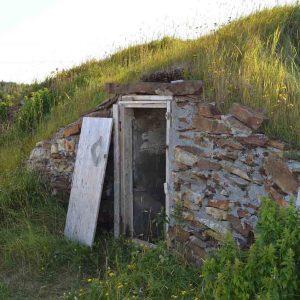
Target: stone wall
221 167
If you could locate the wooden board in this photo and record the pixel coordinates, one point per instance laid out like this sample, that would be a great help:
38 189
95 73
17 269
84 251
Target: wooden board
190 87
88 180
117 180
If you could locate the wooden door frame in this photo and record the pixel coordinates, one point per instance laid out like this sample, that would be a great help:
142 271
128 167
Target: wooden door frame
123 174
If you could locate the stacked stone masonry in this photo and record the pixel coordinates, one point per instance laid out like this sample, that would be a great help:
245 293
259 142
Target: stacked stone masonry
220 166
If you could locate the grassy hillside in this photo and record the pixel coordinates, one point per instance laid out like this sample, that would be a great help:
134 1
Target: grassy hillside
254 60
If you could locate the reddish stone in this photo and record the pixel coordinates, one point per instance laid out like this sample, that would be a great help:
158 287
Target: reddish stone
221 204
242 213
207 110
249 159
242 228
69 146
203 164
184 137
176 232
257 140
251 118
277 144
72 129
210 125
276 168
275 195
183 120
229 143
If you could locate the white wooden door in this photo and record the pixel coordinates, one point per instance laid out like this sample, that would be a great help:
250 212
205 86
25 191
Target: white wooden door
88 180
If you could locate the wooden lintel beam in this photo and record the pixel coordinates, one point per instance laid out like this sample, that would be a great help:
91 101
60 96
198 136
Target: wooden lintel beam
180 88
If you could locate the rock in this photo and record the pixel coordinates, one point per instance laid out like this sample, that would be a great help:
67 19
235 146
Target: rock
38 154
216 213
298 199
232 169
236 127
255 193
69 146
255 140
207 110
196 198
210 125
280 174
242 228
72 129
277 144
54 149
218 226
229 143
195 249
251 118
220 204
204 164
215 235
275 195
242 213
176 232
294 166
187 155
187 216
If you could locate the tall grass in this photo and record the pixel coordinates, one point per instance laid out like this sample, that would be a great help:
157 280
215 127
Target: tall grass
254 61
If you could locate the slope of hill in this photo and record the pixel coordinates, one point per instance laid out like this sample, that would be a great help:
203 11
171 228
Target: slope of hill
254 60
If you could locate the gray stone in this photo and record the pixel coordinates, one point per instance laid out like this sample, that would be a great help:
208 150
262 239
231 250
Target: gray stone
186 155
39 153
237 128
216 213
255 192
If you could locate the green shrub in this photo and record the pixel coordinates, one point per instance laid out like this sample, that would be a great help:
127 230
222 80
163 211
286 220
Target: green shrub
35 108
268 270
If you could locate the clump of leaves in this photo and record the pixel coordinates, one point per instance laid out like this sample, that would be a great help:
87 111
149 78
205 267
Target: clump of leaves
35 108
268 270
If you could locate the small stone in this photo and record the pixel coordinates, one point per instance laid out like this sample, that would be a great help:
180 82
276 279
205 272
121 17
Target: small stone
215 235
54 149
232 169
220 204
176 232
218 226
196 198
242 213
210 125
236 127
275 195
277 169
294 166
72 129
251 118
242 228
187 155
69 146
187 216
254 140
60 144
207 110
216 213
229 143
277 144
204 164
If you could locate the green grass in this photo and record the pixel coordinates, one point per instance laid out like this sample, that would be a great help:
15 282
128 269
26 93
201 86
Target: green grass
254 61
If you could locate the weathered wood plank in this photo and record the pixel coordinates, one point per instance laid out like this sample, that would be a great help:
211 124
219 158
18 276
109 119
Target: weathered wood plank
117 182
192 87
88 180
145 98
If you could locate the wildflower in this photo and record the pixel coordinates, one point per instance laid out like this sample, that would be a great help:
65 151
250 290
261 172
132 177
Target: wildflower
89 280
183 293
106 294
174 297
120 286
111 274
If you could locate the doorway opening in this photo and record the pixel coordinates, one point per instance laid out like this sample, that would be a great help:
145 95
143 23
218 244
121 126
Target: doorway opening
141 176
